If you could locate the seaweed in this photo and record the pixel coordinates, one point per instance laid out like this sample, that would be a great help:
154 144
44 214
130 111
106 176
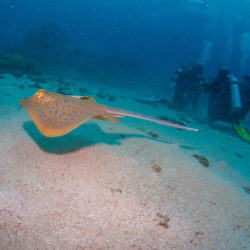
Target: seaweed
139 150
153 134
116 190
18 65
202 159
165 220
246 189
199 233
156 168
239 155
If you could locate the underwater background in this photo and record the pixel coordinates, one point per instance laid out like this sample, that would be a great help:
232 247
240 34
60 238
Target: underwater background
137 184
134 42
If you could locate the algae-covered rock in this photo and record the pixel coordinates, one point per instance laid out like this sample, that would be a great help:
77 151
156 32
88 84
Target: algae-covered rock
16 63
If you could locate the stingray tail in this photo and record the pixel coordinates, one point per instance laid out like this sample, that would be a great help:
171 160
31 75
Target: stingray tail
120 113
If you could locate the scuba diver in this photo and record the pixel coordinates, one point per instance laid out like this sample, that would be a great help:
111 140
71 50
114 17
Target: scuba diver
219 107
178 101
224 102
196 81
188 82
245 96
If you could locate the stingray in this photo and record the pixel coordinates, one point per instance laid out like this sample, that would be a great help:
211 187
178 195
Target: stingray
55 114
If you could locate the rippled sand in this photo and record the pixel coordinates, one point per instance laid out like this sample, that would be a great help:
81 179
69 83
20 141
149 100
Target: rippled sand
107 186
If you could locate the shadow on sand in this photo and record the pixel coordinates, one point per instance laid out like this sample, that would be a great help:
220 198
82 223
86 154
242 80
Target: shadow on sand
83 136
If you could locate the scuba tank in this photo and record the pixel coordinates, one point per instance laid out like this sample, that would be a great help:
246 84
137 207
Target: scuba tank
235 94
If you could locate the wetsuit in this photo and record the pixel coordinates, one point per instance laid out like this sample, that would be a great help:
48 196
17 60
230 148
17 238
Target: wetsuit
245 97
180 91
219 100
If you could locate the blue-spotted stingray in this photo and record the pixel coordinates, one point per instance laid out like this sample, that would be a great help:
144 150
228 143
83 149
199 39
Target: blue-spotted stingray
55 114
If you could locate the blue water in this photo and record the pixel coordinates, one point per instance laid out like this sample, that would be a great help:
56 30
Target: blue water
144 40
124 54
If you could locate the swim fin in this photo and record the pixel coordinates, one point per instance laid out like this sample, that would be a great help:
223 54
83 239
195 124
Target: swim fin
242 132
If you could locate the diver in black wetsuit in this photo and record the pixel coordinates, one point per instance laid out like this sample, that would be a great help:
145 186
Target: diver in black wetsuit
228 102
242 114
219 99
178 101
245 96
187 90
196 82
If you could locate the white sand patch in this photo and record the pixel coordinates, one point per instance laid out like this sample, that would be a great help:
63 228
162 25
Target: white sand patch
104 196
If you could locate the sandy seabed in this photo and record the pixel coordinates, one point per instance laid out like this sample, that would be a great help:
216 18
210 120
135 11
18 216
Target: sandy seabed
107 186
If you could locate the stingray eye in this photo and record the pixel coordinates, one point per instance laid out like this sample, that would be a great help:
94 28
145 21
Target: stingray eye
40 94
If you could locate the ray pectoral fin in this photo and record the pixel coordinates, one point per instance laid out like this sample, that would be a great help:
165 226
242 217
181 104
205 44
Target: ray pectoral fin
55 131
53 126
23 102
